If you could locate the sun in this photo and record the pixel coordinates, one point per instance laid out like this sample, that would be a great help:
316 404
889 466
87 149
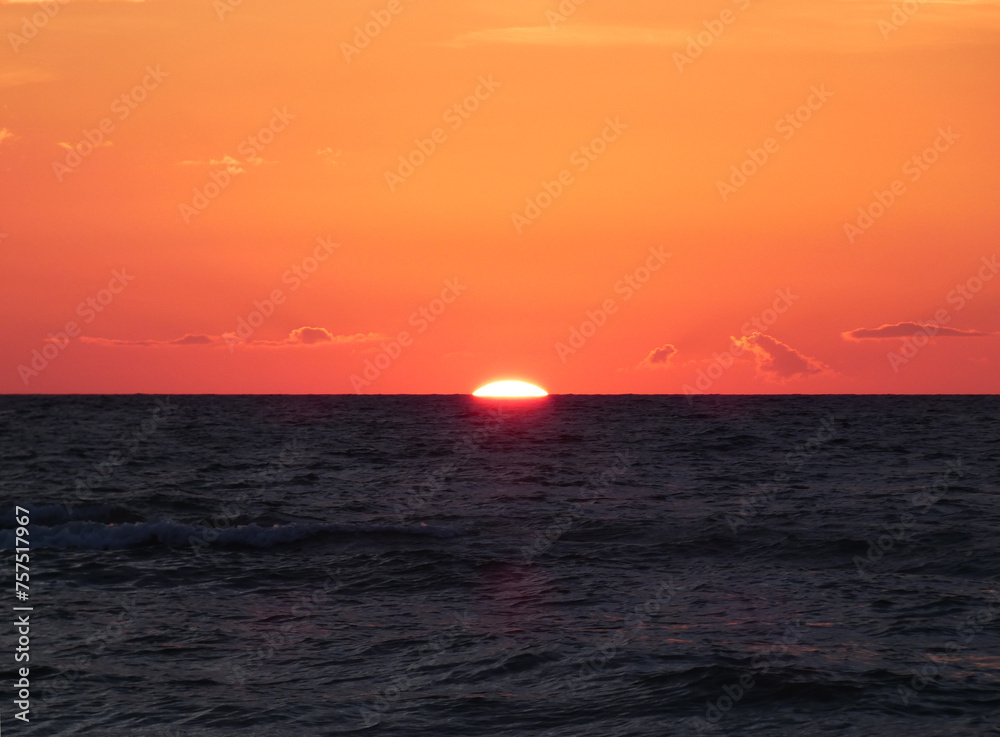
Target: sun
511 389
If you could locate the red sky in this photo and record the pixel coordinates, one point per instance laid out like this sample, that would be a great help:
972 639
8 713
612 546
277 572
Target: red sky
624 123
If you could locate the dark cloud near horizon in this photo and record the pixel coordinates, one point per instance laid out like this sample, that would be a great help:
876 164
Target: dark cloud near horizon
907 329
659 357
779 360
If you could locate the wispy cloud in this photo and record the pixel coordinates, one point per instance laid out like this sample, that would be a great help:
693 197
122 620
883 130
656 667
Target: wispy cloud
846 25
189 339
571 36
329 155
232 164
304 336
25 75
194 340
70 147
908 329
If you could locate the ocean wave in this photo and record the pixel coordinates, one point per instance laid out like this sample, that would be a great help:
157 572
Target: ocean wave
97 536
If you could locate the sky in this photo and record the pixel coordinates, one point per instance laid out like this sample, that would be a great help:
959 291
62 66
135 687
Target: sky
423 196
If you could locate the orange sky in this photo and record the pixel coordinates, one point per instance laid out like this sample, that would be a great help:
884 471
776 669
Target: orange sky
572 212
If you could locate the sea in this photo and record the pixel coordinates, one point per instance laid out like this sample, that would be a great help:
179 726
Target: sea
258 566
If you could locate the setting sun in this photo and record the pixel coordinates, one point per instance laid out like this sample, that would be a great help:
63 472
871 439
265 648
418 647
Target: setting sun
510 389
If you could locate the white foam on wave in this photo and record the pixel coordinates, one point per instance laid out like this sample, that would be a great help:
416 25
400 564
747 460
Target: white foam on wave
96 536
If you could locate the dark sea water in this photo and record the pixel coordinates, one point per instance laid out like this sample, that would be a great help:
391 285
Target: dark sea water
257 566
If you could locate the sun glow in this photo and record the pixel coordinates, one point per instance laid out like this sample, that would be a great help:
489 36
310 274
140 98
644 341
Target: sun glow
510 389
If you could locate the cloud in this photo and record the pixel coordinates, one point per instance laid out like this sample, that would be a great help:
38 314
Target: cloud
6 135
114 341
571 36
188 339
907 329
232 164
310 336
846 26
329 155
70 147
305 336
777 360
659 357
194 340
298 337
314 336
25 75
